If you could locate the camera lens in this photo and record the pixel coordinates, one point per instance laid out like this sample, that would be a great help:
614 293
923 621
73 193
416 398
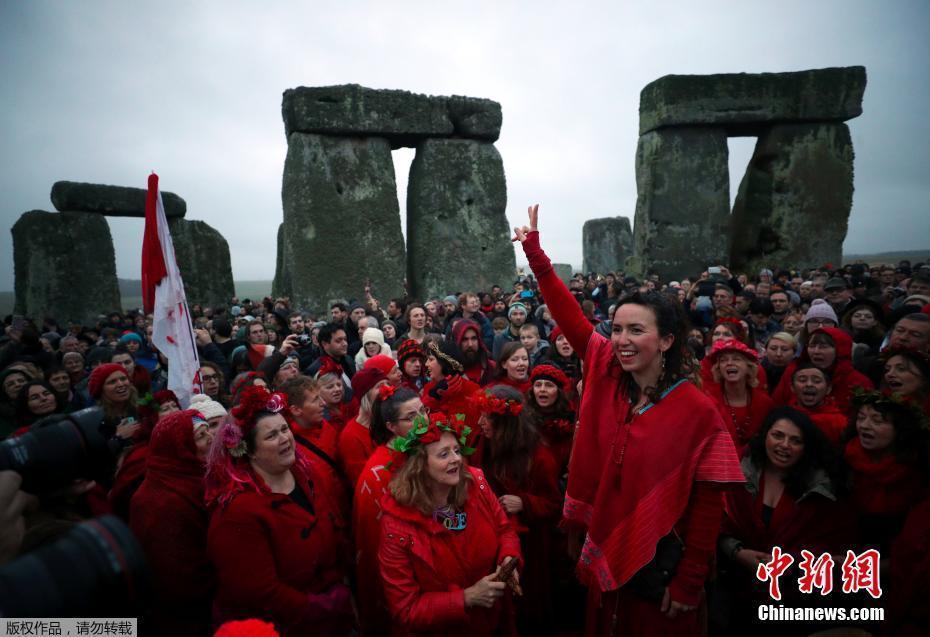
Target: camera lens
58 450
97 569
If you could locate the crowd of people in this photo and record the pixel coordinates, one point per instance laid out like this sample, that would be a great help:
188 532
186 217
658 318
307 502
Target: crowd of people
610 455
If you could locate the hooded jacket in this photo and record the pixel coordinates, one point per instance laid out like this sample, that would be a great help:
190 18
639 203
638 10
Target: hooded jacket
481 372
844 378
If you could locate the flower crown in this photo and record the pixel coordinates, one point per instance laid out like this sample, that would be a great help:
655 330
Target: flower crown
429 429
731 320
887 398
329 366
385 392
254 400
487 403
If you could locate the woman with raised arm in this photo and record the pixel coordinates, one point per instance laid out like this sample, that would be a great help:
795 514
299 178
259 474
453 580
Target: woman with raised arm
642 425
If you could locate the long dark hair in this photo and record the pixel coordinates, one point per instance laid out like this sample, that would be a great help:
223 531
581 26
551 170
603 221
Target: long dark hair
508 454
24 416
508 350
911 445
818 452
562 408
671 320
385 411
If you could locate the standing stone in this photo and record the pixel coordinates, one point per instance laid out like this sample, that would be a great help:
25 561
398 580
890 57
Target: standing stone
65 266
606 243
683 202
457 232
564 271
281 286
793 204
341 220
113 201
203 260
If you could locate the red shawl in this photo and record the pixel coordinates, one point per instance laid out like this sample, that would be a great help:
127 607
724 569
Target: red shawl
885 486
671 444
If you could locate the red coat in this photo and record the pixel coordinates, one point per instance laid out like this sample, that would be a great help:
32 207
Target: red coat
355 447
278 562
830 420
542 506
742 422
909 609
426 568
169 517
366 525
322 434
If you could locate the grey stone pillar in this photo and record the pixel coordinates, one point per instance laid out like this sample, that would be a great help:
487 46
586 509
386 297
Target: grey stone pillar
563 271
458 237
203 259
683 203
606 243
793 204
341 219
64 266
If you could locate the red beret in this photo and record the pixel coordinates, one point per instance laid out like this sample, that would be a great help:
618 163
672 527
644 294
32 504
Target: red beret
100 375
365 379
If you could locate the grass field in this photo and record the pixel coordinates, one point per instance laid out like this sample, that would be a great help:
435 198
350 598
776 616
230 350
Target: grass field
131 293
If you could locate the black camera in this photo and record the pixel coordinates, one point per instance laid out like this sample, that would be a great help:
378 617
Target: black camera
58 450
303 339
96 569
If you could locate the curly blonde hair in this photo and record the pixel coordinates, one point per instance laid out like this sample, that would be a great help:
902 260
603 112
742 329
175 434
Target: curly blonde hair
410 486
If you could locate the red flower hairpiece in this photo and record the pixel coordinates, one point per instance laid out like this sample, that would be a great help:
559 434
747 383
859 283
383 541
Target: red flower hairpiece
487 403
256 399
386 391
731 320
329 366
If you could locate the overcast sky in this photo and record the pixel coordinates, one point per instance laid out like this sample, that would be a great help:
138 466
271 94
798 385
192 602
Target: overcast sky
107 91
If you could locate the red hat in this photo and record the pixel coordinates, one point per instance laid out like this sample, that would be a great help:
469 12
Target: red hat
554 334
165 396
732 345
100 375
365 379
408 349
382 361
553 373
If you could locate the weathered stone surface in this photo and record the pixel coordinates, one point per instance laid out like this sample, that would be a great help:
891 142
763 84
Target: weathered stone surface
64 265
341 220
114 201
281 286
203 259
742 100
564 271
606 243
457 232
683 202
475 117
793 204
401 117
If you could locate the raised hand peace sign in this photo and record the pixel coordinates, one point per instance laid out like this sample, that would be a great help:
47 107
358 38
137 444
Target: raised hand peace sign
520 233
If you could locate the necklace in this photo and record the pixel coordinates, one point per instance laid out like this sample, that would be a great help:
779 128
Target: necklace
449 518
741 428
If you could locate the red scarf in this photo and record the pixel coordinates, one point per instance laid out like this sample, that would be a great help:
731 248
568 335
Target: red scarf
883 486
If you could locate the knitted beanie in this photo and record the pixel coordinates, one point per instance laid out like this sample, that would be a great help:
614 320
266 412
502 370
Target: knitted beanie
130 336
408 349
820 309
516 306
100 375
207 407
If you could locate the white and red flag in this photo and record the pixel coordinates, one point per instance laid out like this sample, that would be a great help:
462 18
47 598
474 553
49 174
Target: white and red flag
163 294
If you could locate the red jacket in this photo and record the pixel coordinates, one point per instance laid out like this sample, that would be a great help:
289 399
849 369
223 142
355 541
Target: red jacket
278 562
742 422
426 568
355 447
366 526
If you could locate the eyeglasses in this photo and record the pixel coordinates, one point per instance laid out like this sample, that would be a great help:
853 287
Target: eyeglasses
208 377
819 322
423 412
